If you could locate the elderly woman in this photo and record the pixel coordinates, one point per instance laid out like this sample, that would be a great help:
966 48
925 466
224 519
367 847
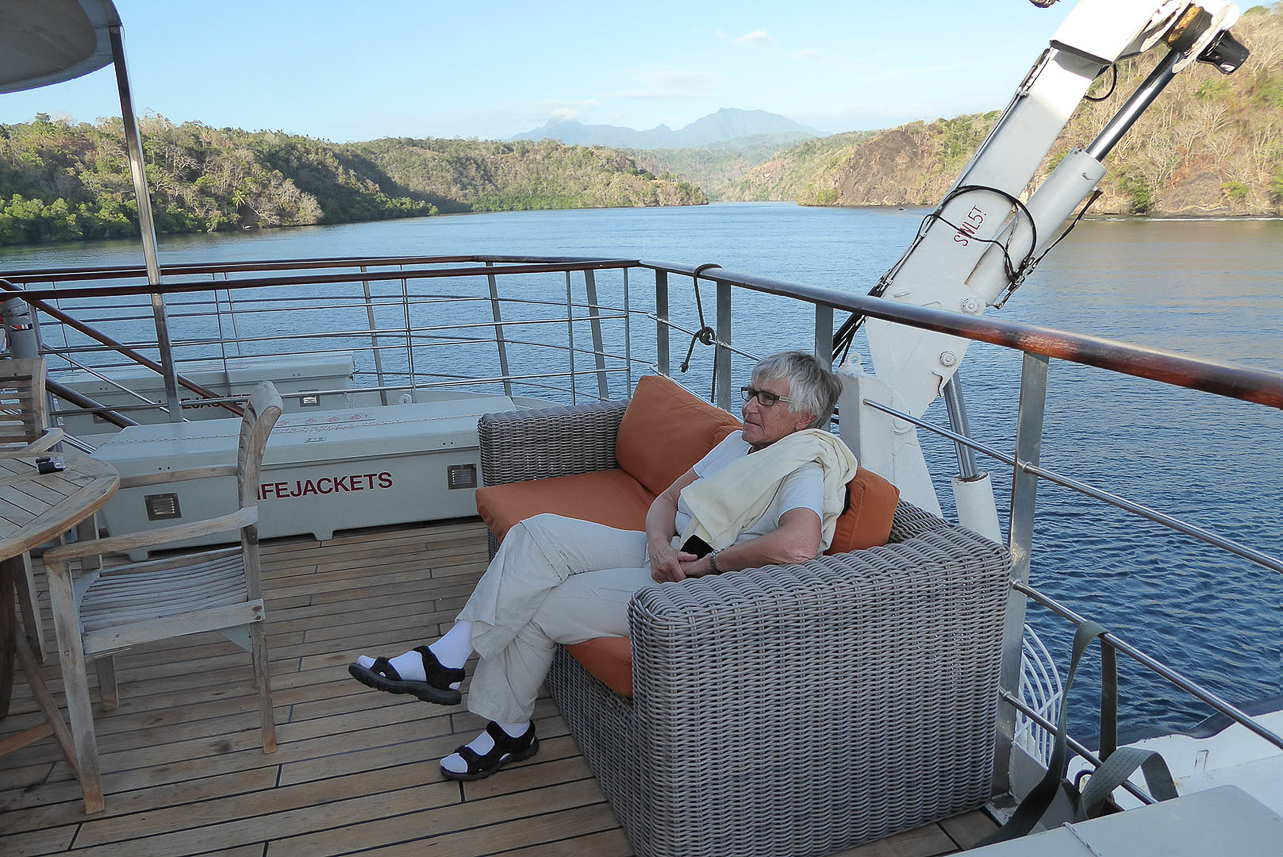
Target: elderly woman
765 495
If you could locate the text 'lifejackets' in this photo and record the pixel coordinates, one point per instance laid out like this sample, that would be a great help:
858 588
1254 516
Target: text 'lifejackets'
325 485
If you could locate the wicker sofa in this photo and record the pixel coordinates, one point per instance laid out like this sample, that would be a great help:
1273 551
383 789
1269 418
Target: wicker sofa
787 710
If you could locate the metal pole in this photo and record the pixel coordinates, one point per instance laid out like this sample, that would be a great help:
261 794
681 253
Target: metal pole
594 325
958 422
661 322
824 341
628 336
1137 104
500 343
409 336
722 353
570 335
146 226
374 337
1024 494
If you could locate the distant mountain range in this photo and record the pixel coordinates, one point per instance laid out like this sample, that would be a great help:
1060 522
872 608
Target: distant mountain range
724 125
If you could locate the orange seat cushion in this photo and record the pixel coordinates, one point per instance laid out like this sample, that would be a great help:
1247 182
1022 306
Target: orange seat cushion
609 660
866 523
609 497
665 430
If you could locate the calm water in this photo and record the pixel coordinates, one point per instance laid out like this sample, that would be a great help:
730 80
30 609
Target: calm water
1208 288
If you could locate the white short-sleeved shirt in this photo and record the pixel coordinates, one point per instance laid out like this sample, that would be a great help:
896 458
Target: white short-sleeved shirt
801 489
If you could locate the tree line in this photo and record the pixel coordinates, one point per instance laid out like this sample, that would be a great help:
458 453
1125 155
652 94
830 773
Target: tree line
63 181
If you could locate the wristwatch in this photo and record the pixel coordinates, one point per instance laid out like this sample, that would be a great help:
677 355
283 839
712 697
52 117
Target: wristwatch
712 561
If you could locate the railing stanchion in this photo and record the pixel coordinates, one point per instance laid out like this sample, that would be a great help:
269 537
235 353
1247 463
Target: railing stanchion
374 338
1024 494
628 337
594 325
722 353
824 341
570 335
661 322
500 343
409 335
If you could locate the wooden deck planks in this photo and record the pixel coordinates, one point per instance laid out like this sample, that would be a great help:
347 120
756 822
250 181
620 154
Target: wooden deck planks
356 770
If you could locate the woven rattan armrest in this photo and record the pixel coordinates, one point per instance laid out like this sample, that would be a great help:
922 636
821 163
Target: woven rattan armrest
517 446
686 635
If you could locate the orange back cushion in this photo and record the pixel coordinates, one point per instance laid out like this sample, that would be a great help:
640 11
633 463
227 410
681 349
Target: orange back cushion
665 430
871 502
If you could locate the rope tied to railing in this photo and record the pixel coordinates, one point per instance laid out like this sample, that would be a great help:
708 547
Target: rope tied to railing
705 334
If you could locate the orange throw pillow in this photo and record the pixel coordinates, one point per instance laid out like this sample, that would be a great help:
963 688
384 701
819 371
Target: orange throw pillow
871 502
665 430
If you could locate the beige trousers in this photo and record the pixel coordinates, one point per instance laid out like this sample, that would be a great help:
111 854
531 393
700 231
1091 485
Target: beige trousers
554 580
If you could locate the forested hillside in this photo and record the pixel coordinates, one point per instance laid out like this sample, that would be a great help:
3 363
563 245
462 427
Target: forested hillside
471 175
64 181
1211 144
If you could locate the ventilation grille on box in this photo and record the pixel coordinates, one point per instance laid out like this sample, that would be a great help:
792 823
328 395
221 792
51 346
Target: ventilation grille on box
462 476
162 507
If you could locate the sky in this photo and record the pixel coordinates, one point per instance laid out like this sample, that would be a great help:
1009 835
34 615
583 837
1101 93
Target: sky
366 69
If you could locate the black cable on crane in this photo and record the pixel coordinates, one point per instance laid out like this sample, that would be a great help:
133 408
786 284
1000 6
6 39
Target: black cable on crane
845 334
1112 84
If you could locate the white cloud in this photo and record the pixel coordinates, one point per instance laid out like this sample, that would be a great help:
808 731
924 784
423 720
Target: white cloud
755 39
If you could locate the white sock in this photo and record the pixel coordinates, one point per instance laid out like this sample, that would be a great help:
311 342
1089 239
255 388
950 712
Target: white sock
452 651
483 744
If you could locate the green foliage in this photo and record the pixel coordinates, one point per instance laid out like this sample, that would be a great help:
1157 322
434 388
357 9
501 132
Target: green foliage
1276 186
62 181
1213 88
487 175
825 196
1138 190
1236 191
1270 92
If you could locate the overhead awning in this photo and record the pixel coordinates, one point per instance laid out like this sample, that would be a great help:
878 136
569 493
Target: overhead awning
49 41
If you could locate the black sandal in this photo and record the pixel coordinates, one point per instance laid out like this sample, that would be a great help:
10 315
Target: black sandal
506 749
383 676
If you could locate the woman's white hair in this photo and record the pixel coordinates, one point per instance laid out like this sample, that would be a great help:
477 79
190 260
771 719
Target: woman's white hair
812 388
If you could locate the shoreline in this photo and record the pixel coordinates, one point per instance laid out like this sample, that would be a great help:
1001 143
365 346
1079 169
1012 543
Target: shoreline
259 232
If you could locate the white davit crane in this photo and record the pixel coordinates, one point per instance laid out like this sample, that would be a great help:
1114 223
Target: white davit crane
982 240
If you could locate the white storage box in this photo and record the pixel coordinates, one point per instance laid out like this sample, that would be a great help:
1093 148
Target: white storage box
322 471
236 375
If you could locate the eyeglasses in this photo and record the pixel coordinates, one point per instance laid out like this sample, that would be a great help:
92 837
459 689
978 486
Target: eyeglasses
766 398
